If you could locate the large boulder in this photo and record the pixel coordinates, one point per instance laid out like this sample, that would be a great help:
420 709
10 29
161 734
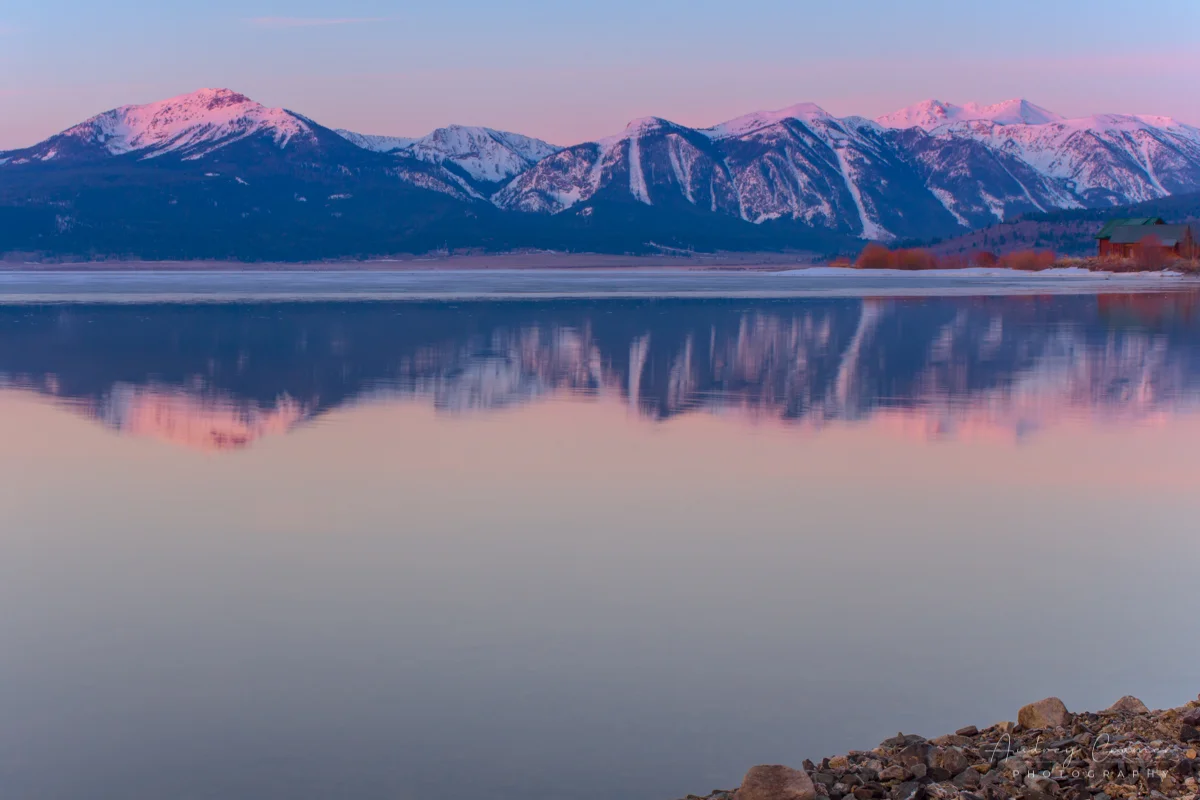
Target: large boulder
1130 705
950 759
776 782
1048 713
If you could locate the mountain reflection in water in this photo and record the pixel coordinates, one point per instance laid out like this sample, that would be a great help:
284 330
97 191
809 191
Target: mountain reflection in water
222 376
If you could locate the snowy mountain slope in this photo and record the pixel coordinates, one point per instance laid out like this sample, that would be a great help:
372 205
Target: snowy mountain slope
377 144
1106 159
799 164
189 126
928 170
803 163
977 184
652 161
483 155
931 114
225 133
1102 160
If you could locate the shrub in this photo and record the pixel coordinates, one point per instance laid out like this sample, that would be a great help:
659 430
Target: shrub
985 258
1028 260
874 256
915 259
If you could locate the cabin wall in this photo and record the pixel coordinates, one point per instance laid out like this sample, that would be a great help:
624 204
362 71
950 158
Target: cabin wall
1189 247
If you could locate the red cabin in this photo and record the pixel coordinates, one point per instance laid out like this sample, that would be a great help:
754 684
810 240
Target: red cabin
1122 238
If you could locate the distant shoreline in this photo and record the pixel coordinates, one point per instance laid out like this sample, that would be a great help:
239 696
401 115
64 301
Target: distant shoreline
332 284
722 262
506 261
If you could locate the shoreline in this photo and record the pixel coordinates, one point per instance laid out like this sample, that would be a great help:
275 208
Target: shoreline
1049 753
534 261
167 286
539 260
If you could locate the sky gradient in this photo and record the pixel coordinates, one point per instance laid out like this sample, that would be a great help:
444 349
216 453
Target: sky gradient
570 72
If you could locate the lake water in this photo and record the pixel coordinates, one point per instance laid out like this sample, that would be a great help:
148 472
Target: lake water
573 549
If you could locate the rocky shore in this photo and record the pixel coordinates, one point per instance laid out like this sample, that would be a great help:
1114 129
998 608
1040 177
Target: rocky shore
1049 753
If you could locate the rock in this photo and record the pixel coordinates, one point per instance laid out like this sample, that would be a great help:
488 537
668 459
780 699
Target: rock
913 754
968 778
997 751
776 782
1189 734
968 731
951 740
1129 705
949 759
1191 717
938 774
1034 794
1041 784
893 772
1014 766
907 791
1048 713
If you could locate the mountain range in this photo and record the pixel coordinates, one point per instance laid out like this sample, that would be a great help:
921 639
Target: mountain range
215 174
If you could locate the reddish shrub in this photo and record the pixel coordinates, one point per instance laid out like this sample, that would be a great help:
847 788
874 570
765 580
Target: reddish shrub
1028 260
874 256
985 258
914 258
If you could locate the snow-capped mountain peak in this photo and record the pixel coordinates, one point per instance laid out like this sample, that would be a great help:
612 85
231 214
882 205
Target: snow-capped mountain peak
374 143
192 125
484 154
644 125
748 123
931 114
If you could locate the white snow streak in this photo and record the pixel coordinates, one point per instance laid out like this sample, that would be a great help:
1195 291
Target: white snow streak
871 228
946 199
637 178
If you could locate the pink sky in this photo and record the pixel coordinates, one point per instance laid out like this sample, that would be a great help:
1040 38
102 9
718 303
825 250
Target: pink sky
579 73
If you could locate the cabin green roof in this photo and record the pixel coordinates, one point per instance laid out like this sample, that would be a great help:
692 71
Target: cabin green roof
1167 235
1111 226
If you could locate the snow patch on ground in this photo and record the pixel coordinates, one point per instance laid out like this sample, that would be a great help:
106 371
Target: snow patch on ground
974 272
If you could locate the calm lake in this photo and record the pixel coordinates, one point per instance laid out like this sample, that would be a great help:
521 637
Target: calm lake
577 549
